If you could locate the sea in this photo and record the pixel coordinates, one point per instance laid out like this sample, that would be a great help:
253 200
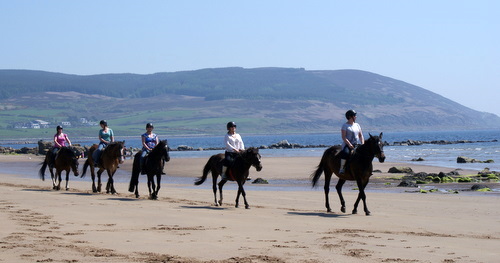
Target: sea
483 145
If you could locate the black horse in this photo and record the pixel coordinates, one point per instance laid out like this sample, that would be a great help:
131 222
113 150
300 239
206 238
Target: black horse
238 172
153 166
359 168
111 157
66 159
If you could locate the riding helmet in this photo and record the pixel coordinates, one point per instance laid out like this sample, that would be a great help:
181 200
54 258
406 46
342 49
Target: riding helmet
59 127
149 125
350 113
231 124
103 122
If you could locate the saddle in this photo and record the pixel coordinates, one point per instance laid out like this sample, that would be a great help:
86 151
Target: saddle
229 174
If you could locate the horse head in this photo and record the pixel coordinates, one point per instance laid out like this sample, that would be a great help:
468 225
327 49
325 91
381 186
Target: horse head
116 150
252 156
164 149
377 146
71 154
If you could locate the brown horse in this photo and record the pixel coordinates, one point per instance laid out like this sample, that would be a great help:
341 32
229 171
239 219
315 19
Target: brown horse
359 168
153 166
238 172
111 157
66 159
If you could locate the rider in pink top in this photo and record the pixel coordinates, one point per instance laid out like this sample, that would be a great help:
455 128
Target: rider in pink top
60 140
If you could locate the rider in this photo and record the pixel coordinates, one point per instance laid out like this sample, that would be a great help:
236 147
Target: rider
233 144
149 141
60 140
351 137
106 136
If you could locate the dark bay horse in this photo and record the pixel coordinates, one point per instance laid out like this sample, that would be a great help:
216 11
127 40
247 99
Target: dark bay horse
238 172
359 168
66 159
153 166
111 157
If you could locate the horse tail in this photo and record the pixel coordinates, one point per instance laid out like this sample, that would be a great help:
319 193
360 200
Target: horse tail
206 169
136 171
85 166
321 166
42 170
317 174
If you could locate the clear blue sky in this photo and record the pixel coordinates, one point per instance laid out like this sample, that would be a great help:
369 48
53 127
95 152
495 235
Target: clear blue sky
450 47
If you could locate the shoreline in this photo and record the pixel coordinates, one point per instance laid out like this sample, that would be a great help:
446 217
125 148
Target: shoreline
40 224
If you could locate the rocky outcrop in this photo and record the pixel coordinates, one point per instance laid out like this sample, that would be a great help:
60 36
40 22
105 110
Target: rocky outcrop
401 169
463 159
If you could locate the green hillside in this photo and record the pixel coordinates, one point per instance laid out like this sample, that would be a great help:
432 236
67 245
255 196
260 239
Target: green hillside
262 100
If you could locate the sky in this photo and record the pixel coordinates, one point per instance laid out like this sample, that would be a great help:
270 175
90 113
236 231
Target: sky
450 47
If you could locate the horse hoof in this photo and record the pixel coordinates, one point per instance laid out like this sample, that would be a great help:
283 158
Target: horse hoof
247 207
220 203
236 206
367 213
136 196
342 209
354 212
328 210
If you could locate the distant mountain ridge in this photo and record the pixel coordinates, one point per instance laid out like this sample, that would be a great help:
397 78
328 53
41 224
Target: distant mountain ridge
295 99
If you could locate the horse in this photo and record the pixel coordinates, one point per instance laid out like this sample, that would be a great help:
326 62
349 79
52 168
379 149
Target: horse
111 157
153 165
359 168
237 172
66 159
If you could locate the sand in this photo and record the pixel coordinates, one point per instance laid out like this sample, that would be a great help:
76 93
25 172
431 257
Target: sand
39 224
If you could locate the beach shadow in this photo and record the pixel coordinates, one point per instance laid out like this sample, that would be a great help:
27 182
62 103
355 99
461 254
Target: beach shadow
124 199
205 207
320 214
70 193
37 190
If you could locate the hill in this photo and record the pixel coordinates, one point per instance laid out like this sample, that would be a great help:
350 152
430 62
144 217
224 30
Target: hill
262 100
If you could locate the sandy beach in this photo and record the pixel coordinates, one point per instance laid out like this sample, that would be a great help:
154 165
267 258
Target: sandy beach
43 225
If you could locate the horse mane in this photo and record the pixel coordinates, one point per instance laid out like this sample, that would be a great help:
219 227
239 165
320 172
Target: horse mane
159 147
67 151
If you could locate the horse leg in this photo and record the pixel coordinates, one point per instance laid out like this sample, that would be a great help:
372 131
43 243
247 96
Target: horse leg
150 187
112 183
328 177
361 196
53 177
137 190
241 191
58 177
221 184
214 186
92 174
99 185
339 185
67 180
158 186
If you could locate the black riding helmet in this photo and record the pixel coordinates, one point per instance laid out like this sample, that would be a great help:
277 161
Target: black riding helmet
230 124
350 113
149 125
103 122
59 127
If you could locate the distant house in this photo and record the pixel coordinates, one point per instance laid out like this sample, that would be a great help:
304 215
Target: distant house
34 125
66 123
41 124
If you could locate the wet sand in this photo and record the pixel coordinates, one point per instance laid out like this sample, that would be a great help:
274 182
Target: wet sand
289 225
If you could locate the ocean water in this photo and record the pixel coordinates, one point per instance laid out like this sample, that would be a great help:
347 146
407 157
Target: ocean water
433 154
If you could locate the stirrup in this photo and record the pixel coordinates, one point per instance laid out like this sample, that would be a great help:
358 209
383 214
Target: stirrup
341 171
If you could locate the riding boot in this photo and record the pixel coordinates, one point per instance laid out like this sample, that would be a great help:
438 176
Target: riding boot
224 170
342 165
